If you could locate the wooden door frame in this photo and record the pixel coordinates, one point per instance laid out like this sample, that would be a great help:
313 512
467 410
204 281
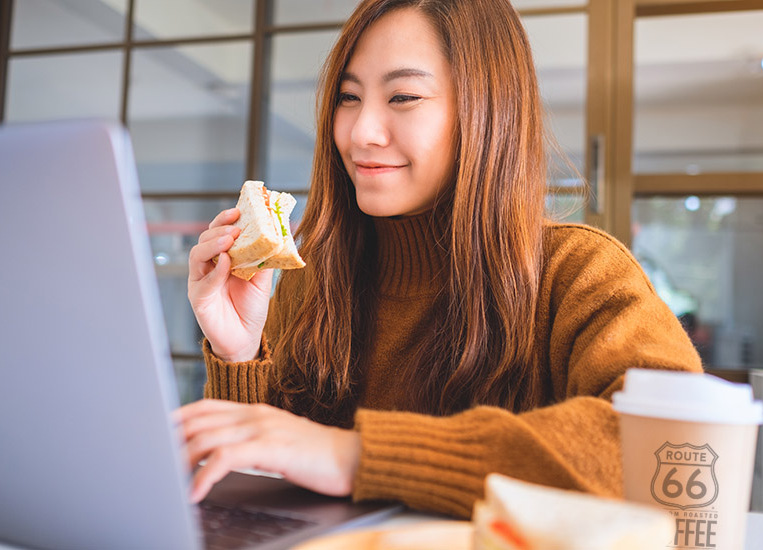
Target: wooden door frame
610 114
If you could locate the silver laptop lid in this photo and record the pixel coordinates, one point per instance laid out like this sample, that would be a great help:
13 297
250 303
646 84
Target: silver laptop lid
85 454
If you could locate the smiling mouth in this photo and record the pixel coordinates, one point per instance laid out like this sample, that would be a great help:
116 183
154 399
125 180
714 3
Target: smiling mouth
373 169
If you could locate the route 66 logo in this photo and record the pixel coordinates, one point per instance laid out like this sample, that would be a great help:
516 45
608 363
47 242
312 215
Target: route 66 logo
685 476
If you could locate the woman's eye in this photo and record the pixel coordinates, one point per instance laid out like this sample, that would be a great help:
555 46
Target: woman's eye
346 98
404 98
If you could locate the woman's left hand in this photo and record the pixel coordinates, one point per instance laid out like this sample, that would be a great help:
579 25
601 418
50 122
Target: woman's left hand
234 435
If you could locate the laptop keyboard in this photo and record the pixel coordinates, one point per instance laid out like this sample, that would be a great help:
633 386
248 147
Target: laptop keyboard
233 528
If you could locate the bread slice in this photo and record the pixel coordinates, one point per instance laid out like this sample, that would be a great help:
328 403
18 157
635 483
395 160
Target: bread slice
522 516
265 241
288 257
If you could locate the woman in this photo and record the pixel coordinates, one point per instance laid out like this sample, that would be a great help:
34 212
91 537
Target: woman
442 329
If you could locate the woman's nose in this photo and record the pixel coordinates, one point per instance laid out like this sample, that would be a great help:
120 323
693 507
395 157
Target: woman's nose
370 128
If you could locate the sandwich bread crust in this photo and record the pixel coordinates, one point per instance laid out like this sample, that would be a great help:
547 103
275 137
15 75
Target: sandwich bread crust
517 515
287 257
265 241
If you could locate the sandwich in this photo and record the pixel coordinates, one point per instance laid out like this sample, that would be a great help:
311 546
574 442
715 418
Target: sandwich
265 241
516 515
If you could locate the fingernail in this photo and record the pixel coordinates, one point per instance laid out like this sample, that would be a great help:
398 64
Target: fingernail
222 240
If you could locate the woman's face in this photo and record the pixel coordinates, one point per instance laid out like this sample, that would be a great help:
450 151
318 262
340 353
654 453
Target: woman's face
396 119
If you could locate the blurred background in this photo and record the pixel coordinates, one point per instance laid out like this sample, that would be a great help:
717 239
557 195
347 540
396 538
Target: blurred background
657 104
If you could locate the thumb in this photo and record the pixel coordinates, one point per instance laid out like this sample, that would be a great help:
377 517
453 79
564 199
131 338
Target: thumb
263 280
221 272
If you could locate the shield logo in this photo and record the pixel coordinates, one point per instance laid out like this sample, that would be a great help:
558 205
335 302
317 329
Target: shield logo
685 476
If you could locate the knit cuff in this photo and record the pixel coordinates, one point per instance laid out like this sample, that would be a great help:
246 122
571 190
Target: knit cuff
245 382
429 463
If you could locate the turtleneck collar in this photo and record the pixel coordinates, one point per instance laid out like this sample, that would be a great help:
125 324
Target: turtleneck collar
412 254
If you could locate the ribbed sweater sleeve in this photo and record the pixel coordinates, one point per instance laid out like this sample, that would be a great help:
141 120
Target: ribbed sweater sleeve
598 315
440 463
245 382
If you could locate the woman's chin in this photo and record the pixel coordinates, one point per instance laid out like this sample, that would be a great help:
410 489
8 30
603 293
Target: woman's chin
378 208
377 211
381 208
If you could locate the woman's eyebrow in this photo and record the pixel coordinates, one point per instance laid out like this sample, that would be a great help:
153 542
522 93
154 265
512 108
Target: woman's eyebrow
406 73
346 76
392 75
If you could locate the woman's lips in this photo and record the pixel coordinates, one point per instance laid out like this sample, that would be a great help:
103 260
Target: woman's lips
375 169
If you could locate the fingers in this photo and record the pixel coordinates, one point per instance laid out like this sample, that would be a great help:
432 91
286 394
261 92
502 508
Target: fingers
220 231
202 407
226 217
209 424
223 432
234 435
195 426
219 463
212 243
220 436
263 280
210 246
199 424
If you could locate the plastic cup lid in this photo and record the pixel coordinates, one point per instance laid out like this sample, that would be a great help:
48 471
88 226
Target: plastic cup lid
687 396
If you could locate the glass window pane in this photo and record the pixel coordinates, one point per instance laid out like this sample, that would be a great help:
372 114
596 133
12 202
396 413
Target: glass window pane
188 115
290 12
703 256
699 93
296 62
64 86
566 208
46 23
185 18
190 375
562 74
174 227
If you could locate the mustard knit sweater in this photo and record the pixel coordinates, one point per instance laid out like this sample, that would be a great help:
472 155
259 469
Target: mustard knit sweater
598 315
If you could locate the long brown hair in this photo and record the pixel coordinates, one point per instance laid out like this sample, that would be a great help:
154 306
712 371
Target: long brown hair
481 350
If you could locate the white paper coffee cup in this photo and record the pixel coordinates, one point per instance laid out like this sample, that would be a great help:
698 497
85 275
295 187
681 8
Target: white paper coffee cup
688 443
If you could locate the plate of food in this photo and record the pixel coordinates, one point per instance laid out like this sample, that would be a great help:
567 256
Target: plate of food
434 535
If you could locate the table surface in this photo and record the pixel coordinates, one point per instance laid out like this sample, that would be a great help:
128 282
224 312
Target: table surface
754 539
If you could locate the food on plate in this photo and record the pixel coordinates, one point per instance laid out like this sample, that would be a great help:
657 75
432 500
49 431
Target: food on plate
427 535
265 240
516 515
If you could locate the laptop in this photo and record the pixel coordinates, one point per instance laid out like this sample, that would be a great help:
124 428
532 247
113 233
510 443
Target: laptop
89 457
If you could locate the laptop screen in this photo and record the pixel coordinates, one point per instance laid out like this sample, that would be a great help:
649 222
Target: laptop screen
89 454
88 448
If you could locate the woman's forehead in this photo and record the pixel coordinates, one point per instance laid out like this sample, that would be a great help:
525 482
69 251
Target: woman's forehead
400 44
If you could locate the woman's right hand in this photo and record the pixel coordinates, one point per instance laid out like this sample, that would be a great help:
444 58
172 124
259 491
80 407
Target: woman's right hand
230 311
